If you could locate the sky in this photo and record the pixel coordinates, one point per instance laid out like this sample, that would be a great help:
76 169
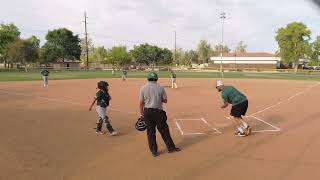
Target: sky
130 22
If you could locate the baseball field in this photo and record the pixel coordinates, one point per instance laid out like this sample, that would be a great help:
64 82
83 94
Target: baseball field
48 133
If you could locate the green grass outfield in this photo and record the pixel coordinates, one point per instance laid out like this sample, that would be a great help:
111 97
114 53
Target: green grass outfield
60 75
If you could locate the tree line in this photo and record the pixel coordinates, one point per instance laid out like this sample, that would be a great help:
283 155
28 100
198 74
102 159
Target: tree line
294 42
62 44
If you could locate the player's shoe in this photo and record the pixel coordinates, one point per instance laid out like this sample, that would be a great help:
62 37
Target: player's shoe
114 133
99 132
240 134
248 130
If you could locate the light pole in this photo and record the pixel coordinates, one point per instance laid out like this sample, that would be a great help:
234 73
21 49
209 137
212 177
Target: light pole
175 48
86 38
222 17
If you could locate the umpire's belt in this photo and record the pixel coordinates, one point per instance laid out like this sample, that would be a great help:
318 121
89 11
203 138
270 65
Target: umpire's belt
152 109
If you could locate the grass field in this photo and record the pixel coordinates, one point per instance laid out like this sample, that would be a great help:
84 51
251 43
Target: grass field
63 75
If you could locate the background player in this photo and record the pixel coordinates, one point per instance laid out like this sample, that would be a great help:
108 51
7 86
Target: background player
173 80
45 76
124 74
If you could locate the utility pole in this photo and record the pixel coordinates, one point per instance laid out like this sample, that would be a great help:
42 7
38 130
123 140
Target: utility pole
222 17
86 38
175 47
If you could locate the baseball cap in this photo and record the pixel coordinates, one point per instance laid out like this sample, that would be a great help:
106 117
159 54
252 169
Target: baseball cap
152 76
219 83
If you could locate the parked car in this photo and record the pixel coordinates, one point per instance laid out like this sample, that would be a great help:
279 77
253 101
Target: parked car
317 68
164 69
307 67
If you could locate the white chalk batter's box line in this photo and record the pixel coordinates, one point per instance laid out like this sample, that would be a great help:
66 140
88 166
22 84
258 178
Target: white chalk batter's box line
215 130
275 128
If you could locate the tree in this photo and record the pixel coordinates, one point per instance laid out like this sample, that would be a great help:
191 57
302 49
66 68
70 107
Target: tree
99 54
241 47
180 57
293 43
32 46
148 54
8 34
192 56
167 56
139 54
218 48
204 49
154 55
61 43
24 51
118 55
83 46
315 54
16 52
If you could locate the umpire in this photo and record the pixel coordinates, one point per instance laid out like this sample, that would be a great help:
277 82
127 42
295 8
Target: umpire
151 96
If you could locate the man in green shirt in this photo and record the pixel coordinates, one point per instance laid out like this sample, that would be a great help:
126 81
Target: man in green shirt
239 101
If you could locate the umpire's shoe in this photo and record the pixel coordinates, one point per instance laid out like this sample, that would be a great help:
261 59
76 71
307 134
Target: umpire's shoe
155 154
174 150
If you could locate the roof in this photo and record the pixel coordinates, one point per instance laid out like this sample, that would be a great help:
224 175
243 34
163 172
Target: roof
60 60
249 54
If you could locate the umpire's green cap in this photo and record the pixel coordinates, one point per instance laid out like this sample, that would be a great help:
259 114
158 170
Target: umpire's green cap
152 76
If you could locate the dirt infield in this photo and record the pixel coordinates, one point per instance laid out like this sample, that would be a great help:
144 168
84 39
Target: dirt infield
47 134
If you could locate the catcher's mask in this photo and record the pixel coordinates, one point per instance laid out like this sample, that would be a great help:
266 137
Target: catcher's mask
141 124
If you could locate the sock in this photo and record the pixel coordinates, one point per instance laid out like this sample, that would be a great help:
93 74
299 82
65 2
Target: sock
240 129
245 124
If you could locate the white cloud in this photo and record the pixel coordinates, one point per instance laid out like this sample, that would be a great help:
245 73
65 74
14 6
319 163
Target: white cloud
114 22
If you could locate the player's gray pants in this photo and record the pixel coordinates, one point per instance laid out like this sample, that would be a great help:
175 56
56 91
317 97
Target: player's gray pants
174 83
45 81
103 118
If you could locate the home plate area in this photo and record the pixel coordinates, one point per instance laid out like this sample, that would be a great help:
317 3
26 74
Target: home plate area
200 126
259 125
196 126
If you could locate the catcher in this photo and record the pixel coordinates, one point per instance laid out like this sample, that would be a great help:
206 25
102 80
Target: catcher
103 98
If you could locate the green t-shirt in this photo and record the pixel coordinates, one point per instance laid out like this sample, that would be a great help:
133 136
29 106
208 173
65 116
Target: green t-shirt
124 72
103 98
232 96
45 72
173 75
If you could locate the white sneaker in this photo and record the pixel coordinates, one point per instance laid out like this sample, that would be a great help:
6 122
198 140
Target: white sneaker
239 134
99 132
248 130
114 133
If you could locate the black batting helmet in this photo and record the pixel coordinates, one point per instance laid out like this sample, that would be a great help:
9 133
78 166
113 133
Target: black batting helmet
102 85
141 124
